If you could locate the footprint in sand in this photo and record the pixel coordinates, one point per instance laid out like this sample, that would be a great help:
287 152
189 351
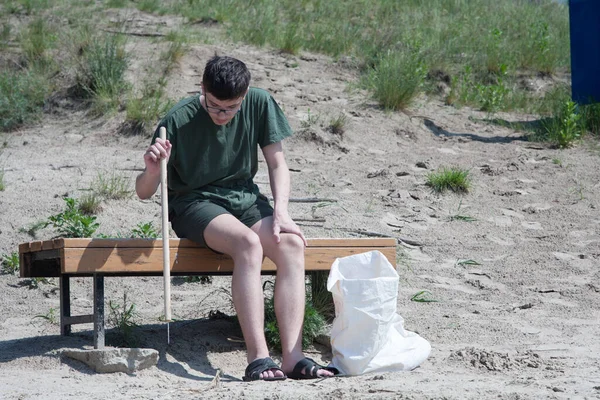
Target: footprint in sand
501 242
501 221
531 225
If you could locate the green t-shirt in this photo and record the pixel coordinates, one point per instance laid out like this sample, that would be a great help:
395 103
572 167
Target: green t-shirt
218 163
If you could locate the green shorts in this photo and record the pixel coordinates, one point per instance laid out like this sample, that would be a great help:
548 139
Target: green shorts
193 221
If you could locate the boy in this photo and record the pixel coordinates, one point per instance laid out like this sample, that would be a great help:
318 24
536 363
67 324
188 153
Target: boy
211 148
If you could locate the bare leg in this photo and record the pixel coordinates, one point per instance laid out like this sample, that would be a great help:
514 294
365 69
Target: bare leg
288 256
228 235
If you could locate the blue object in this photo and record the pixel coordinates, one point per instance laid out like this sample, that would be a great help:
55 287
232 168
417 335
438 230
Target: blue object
585 50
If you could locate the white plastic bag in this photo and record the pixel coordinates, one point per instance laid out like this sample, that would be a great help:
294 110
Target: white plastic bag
367 334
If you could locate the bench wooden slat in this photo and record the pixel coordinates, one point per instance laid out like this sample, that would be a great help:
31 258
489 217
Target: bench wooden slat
187 260
179 243
144 256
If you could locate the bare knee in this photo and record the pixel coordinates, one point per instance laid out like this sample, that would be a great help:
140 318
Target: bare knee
247 249
292 244
289 252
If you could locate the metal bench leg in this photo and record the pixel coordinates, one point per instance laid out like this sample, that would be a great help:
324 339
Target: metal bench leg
98 311
65 305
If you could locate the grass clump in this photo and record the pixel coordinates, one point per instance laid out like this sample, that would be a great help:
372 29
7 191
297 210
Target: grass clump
90 204
10 263
122 317
313 325
36 40
397 78
22 95
50 316
454 179
175 51
337 125
101 72
565 128
144 112
2 186
113 186
71 222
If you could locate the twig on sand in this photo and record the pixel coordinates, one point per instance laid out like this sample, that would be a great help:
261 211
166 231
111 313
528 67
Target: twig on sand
142 34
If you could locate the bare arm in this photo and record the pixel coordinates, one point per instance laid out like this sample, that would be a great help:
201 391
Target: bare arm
279 177
147 182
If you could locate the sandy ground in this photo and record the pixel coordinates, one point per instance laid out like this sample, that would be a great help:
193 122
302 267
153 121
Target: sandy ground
521 324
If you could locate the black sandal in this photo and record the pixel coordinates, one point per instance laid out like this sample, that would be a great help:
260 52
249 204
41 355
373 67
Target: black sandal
308 368
257 367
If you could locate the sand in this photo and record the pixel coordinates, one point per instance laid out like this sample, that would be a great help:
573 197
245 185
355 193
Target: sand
519 321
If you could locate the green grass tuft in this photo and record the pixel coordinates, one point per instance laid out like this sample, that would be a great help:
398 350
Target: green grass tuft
113 186
313 325
397 79
101 72
143 112
454 179
22 97
123 317
10 263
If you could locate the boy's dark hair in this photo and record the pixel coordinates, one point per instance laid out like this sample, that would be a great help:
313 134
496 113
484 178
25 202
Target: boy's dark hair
226 78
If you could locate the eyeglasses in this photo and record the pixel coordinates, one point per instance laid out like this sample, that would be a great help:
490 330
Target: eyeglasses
217 110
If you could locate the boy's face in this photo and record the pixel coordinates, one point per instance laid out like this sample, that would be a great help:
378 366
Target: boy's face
220 111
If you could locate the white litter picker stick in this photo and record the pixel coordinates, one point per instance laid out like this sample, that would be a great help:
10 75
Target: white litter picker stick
164 201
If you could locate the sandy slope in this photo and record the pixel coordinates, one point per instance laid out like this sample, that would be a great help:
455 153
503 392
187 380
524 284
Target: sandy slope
521 325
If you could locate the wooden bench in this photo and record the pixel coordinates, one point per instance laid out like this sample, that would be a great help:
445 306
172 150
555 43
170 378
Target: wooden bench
97 258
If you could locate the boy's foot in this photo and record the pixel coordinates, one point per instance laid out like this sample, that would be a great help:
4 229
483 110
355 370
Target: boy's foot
307 368
258 368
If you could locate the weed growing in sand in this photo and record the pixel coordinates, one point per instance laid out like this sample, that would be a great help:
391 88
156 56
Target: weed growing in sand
5 33
175 51
10 263
33 228
454 179
144 231
50 316
2 186
36 40
313 325
320 298
22 97
492 97
143 112
122 318
311 120
590 118
112 186
290 41
71 222
89 204
101 72
34 283
423 296
459 217
565 128
397 78
460 262
337 125
557 161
